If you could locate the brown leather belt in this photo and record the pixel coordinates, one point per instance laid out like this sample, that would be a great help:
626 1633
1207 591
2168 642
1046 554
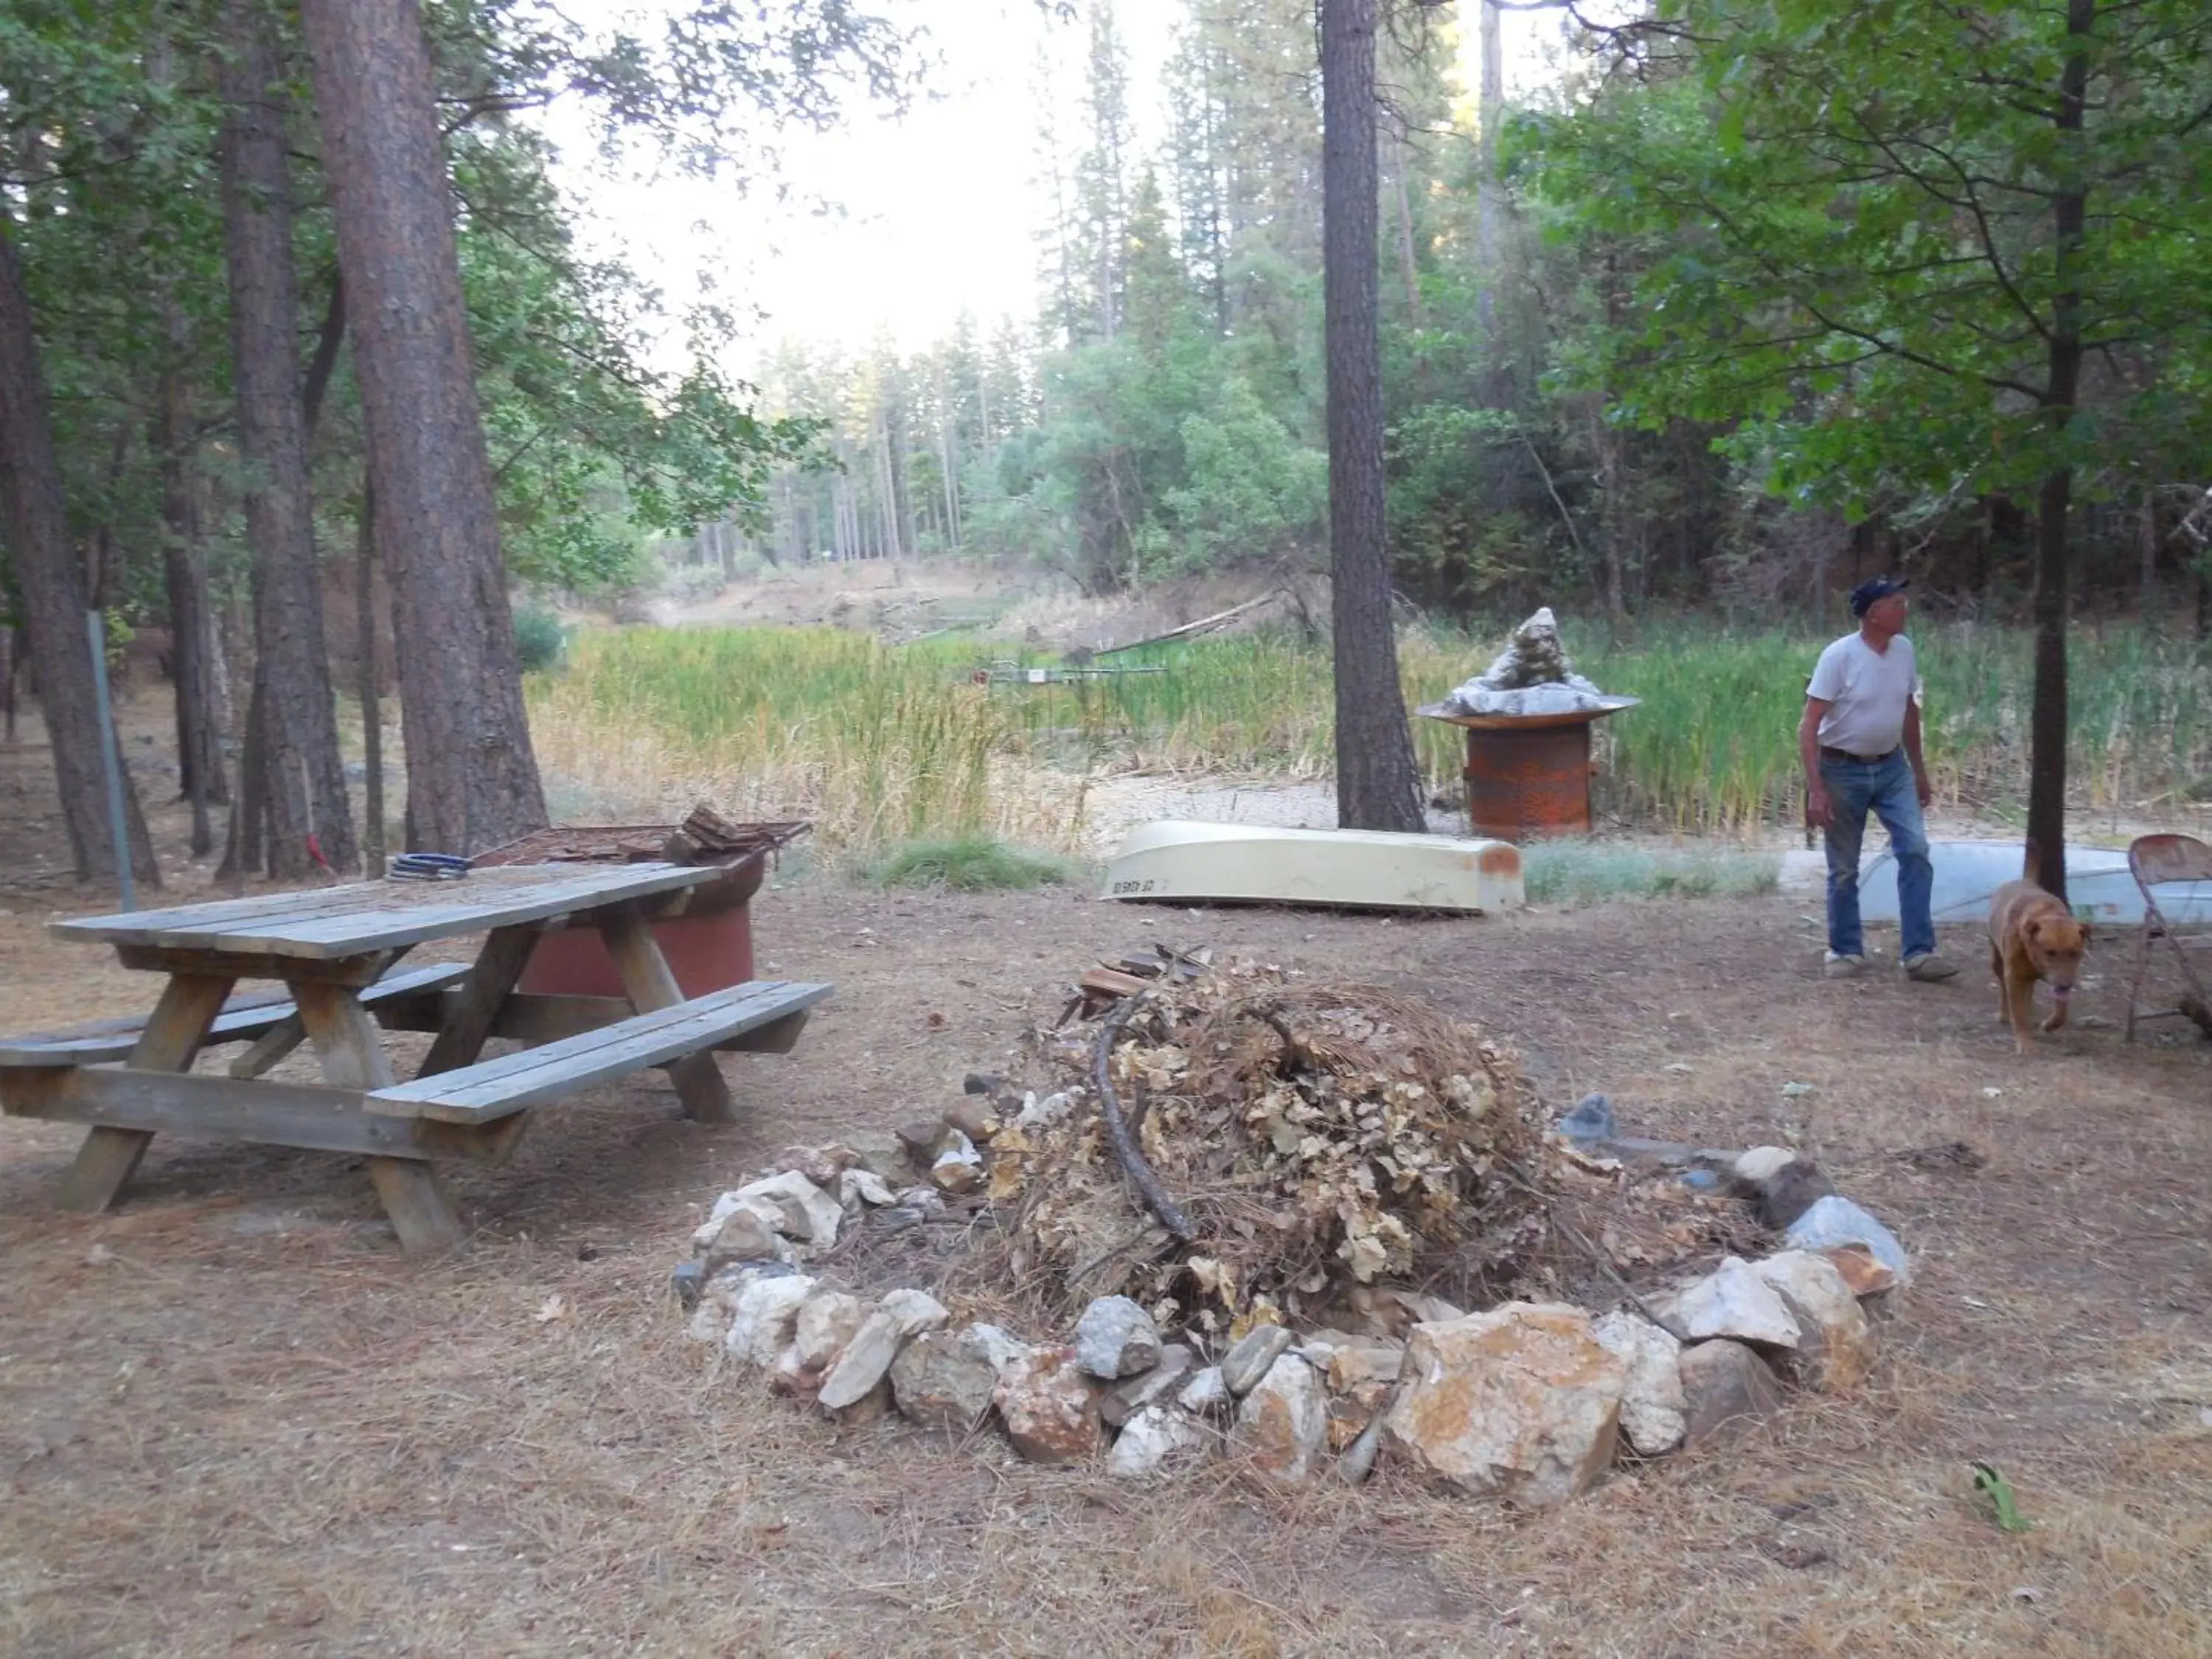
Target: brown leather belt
1827 753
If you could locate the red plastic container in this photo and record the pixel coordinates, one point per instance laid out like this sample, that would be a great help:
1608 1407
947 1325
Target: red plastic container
710 947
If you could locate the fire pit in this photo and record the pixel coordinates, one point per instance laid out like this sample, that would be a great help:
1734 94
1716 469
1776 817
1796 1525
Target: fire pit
1528 719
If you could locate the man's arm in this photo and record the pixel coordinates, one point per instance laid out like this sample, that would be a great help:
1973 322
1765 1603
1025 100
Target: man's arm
1817 809
1920 783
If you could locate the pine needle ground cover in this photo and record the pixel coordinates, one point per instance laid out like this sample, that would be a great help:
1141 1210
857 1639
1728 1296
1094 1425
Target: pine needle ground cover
879 743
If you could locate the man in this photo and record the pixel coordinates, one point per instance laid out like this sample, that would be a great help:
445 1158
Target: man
1860 742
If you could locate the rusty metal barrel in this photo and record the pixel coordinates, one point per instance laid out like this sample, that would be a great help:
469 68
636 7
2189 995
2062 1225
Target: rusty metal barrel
1528 776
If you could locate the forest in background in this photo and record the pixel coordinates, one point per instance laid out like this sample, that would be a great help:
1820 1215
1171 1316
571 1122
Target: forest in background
1684 328
1754 297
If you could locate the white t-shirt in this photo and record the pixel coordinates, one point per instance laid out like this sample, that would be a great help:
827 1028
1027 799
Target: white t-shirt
1866 692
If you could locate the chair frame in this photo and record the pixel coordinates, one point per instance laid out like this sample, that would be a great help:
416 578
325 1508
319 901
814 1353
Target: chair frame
2156 861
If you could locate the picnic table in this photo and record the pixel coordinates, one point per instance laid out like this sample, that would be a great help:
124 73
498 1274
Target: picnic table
334 951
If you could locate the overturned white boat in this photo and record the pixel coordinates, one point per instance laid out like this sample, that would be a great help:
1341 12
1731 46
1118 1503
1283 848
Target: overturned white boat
1967 873
1179 860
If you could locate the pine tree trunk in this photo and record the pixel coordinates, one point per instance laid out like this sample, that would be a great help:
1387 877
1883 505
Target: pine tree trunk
2046 764
472 780
1489 207
371 703
191 629
1378 784
51 583
306 774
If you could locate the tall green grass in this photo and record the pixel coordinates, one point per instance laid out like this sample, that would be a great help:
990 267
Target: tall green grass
889 742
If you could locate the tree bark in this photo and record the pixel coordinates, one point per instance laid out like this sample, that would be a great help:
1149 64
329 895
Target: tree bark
2046 765
306 772
191 626
52 585
246 843
1377 783
372 705
1489 207
471 778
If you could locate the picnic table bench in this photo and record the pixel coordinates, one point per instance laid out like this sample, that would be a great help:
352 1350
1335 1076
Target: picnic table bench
334 951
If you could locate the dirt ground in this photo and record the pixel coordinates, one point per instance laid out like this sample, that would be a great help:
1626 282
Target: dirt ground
234 1419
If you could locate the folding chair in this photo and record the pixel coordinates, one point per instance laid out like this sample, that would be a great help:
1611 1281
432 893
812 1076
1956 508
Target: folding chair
2157 861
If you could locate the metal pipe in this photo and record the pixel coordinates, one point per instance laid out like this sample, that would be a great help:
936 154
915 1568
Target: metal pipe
112 758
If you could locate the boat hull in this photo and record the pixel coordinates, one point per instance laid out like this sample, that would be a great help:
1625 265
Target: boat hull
1967 872
1180 861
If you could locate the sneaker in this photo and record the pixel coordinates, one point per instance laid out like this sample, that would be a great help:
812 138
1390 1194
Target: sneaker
1929 967
1835 967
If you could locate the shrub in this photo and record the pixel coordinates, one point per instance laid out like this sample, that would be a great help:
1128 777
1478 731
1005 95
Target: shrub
540 641
968 864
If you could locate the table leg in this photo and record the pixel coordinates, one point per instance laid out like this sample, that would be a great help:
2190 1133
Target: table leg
649 983
108 1158
346 1040
498 966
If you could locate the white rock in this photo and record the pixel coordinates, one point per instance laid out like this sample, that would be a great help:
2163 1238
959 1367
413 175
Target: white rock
857 1187
1652 1410
867 1358
1282 1422
1251 1355
927 1199
1116 1338
1835 1345
959 1167
1043 1114
810 1215
1150 1438
703 1235
827 1323
747 1233
762 1317
1733 1301
1756 1166
1522 1401
1125 1399
709 1322
1364 1361
1206 1391
1001 1347
1835 1220
945 1379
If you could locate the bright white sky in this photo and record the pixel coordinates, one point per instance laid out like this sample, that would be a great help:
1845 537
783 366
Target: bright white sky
938 210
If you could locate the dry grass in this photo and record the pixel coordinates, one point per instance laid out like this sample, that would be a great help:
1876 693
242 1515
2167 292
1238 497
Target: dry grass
233 1420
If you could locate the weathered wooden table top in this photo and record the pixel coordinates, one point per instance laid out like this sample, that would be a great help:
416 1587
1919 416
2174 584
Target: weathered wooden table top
329 923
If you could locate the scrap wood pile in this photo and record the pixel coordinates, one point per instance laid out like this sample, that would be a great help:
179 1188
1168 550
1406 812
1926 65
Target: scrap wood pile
1241 1141
704 836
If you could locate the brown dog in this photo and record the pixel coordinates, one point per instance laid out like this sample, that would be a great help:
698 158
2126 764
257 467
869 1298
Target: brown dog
2033 936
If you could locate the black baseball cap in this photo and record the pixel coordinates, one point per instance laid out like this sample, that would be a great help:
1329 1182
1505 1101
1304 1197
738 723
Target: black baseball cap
1877 587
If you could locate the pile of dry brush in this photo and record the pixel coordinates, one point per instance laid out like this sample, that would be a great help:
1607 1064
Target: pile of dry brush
1301 1143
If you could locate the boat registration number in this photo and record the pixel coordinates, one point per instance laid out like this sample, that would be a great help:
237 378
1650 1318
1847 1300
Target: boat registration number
1123 889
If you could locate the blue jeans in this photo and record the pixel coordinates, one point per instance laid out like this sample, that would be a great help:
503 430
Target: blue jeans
1885 787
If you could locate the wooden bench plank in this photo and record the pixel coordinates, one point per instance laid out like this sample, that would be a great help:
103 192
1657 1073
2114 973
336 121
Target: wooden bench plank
248 1014
538 1016
510 1083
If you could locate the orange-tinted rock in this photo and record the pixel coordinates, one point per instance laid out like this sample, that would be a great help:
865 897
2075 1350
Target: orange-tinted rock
1522 1402
1281 1422
1865 1275
1049 1406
